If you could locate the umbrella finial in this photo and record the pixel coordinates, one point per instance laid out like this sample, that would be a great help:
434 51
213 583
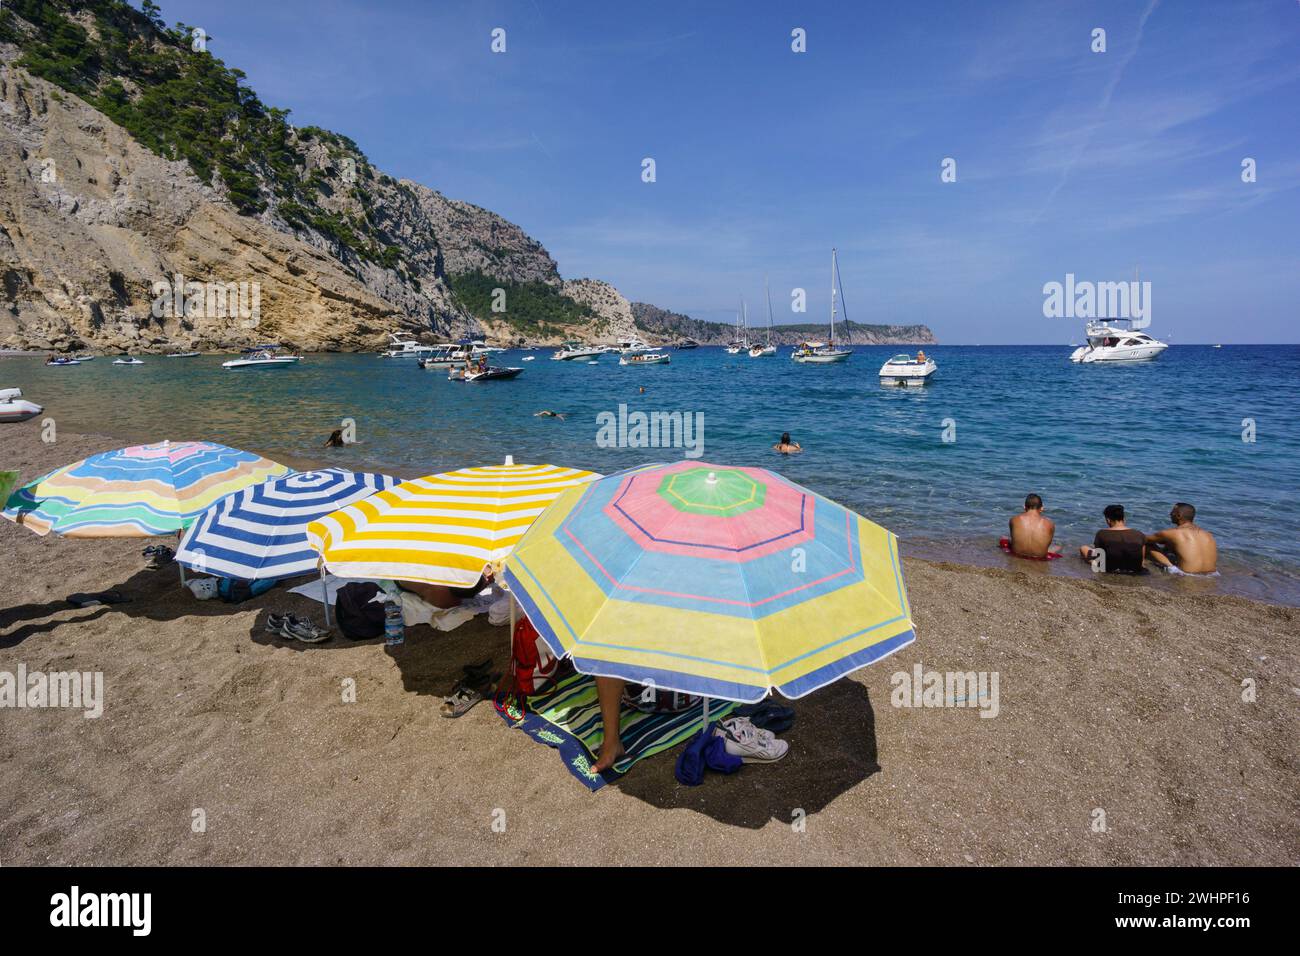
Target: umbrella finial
712 479
510 459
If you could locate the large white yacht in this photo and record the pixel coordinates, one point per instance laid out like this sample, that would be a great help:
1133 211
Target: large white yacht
405 345
1117 340
576 350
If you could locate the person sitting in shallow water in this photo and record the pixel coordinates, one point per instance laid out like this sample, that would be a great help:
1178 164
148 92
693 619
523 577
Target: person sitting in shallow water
1121 547
336 439
1186 548
1032 531
787 447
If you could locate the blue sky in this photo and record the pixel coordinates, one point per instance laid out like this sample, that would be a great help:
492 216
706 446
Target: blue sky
1066 160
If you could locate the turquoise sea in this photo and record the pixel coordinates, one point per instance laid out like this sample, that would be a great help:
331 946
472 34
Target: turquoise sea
1023 418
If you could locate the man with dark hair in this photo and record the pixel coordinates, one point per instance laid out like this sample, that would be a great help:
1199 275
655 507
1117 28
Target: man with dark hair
1186 548
1118 549
1032 532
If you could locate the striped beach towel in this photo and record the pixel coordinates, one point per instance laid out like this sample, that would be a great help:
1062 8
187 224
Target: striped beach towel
567 717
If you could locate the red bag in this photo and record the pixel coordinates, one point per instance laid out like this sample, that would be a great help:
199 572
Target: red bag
532 663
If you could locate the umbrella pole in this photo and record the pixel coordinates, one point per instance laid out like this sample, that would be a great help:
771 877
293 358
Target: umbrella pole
325 596
704 728
510 638
182 567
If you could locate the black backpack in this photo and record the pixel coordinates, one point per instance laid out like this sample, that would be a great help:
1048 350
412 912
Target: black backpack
360 618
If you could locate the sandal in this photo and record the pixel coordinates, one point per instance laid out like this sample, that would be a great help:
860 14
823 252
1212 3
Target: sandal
466 694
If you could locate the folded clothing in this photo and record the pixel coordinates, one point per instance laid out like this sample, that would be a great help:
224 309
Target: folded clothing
705 750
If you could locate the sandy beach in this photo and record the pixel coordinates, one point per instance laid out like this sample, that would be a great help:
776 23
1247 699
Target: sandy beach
1114 696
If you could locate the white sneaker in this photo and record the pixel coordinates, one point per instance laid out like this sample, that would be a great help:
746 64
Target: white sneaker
749 743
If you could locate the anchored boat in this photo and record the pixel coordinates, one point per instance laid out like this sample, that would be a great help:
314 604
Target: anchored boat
823 353
645 358
905 370
576 350
262 356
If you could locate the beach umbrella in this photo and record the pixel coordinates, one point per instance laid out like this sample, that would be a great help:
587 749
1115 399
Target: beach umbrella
260 531
440 529
136 492
713 580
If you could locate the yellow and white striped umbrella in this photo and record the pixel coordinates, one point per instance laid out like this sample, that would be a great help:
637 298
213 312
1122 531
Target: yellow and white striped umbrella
440 529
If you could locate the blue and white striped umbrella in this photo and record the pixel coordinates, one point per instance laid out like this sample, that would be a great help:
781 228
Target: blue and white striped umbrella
261 531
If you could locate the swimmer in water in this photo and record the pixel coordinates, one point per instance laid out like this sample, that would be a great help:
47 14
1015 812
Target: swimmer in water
787 447
547 413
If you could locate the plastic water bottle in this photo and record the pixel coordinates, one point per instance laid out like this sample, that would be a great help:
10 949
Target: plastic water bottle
394 626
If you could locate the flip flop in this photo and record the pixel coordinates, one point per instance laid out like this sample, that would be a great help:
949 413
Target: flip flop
768 716
101 597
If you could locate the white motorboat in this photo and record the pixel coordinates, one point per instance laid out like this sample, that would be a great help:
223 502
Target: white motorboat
440 356
633 344
576 350
183 354
14 408
61 361
128 360
824 353
1117 340
906 370
645 358
405 345
84 358
263 356
530 358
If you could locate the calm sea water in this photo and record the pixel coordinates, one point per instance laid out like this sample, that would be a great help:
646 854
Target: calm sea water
1024 419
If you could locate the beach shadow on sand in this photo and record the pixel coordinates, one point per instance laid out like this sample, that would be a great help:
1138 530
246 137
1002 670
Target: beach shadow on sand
832 750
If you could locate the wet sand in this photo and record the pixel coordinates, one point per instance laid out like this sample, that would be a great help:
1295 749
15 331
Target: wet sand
1113 696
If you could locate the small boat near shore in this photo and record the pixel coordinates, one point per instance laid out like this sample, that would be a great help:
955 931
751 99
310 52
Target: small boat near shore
60 362
128 360
685 344
184 354
263 356
14 408
905 370
645 358
483 373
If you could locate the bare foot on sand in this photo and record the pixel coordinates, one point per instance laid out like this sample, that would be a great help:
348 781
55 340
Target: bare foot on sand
609 755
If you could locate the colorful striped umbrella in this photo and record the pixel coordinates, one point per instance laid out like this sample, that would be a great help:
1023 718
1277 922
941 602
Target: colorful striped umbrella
712 580
260 532
138 491
441 529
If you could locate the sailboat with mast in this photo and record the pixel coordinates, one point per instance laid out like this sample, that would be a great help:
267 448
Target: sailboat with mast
823 353
741 342
762 351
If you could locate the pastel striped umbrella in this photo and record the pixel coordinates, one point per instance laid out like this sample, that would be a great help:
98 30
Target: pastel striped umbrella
441 529
712 580
260 532
138 491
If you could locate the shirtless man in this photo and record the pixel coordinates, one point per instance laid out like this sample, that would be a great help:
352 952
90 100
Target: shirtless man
1192 548
1031 532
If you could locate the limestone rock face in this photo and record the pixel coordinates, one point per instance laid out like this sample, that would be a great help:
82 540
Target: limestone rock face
90 221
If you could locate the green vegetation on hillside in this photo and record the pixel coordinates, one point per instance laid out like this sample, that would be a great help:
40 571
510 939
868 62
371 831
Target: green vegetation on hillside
534 308
185 104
